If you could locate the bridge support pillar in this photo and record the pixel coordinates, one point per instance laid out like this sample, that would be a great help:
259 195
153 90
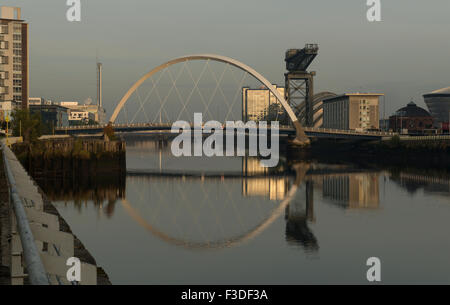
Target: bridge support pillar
300 136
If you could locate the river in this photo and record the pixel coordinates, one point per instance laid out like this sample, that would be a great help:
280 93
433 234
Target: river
227 220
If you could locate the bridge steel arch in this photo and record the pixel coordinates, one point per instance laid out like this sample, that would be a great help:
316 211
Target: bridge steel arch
301 138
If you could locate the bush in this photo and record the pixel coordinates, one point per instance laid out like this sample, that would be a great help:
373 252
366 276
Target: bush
30 126
109 132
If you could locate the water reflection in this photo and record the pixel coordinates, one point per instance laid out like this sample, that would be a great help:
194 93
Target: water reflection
342 186
297 217
210 208
180 210
429 182
103 192
355 190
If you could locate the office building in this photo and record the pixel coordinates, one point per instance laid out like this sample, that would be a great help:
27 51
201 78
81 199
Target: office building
13 56
260 104
86 110
53 115
352 111
39 101
36 101
76 117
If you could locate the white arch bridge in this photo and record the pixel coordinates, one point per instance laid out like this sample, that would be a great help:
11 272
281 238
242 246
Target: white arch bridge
284 110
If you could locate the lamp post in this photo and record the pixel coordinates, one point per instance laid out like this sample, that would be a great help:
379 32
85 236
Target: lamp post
7 127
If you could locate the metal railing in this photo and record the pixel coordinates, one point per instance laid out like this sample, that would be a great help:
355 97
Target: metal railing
309 129
34 265
425 138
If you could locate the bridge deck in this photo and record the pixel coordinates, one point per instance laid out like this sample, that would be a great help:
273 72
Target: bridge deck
310 131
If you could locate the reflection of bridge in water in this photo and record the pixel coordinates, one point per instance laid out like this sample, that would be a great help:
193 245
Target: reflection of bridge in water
292 192
291 189
274 186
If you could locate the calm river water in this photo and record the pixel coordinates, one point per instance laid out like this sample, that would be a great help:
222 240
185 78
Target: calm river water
230 221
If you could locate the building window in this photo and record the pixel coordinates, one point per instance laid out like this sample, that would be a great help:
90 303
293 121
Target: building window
17 37
17 67
17 45
17 60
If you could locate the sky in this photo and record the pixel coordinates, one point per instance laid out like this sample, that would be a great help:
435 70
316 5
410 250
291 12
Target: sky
404 56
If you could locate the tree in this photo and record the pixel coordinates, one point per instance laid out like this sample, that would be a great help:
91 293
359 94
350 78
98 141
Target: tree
30 126
277 113
109 132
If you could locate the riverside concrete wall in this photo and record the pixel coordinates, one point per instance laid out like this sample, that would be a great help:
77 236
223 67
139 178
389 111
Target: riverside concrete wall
53 236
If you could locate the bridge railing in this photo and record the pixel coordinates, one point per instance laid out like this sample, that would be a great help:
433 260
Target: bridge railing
35 267
425 138
308 129
343 131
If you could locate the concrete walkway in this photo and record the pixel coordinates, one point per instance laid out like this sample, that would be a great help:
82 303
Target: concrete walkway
55 245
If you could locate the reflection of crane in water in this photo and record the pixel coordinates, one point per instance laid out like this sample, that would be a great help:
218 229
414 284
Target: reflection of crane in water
297 217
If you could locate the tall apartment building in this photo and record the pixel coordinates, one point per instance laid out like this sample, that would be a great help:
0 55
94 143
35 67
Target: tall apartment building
355 111
13 56
256 103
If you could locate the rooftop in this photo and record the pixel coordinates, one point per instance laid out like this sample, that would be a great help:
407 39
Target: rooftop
412 110
9 12
443 91
363 94
354 94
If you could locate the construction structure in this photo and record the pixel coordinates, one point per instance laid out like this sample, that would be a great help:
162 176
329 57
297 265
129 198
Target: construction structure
13 56
299 83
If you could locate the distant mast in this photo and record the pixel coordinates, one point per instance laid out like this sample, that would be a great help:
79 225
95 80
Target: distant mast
99 85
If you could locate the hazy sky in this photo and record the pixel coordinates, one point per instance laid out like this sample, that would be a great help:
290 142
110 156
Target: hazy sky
404 56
